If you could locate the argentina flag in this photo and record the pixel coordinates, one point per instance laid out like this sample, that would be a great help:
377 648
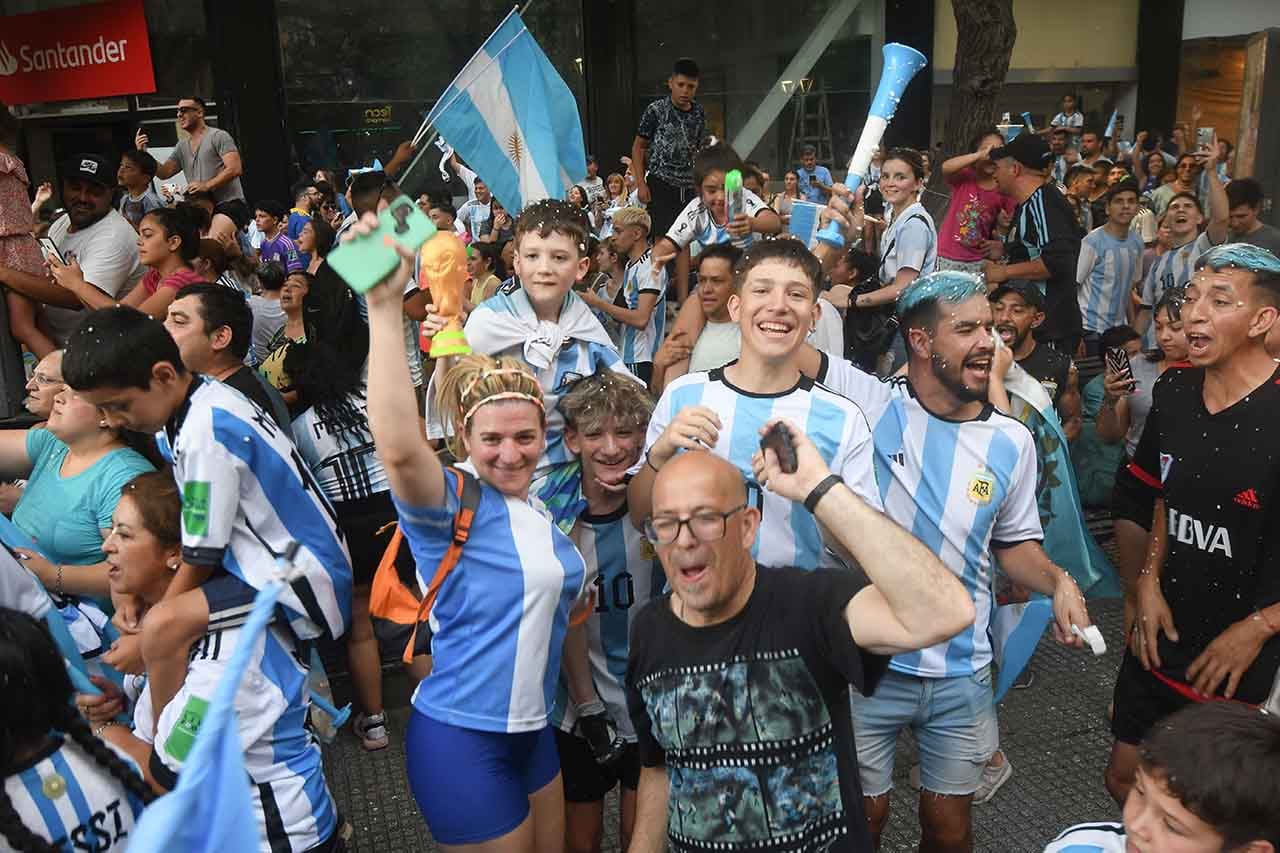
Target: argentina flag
513 119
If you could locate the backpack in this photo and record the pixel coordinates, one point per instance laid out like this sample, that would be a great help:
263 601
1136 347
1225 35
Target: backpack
392 600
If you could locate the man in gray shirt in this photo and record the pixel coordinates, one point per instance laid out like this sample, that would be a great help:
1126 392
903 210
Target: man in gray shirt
1244 202
208 156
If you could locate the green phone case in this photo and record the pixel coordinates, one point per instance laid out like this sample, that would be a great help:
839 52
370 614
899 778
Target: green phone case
365 261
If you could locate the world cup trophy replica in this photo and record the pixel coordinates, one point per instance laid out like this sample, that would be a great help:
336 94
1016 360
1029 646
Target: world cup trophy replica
901 63
443 270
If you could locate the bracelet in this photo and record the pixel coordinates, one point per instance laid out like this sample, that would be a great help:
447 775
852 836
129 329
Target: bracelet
648 461
59 582
811 502
1261 615
102 728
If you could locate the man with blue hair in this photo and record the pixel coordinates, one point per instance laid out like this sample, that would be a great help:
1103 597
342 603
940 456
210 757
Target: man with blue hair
961 476
1208 599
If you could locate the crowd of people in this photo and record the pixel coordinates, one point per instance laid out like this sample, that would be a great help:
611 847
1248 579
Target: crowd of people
710 514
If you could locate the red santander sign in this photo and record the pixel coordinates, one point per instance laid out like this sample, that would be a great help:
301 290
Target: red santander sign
78 52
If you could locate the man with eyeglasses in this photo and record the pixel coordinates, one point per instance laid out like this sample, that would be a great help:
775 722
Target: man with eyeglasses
738 679
208 156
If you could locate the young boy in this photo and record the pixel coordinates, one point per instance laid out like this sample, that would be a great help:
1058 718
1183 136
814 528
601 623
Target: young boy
593 183
775 303
247 497
641 304
538 320
269 216
1110 266
704 218
136 173
720 340
1070 119
1206 783
605 418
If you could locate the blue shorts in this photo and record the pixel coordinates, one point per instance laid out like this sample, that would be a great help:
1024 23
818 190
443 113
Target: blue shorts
473 786
954 721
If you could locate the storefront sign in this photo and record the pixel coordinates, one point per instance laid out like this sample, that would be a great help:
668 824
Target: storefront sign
90 51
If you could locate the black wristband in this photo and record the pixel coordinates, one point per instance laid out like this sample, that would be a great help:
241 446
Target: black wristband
648 461
811 502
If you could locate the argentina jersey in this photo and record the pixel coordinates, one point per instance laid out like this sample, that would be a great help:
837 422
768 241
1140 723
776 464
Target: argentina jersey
67 798
294 808
499 619
341 456
695 222
1174 268
625 572
789 534
246 496
960 487
1108 271
1090 838
639 345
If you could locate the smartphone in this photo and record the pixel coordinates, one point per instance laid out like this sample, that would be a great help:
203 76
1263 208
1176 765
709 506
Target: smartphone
1118 361
1204 137
50 250
778 439
365 261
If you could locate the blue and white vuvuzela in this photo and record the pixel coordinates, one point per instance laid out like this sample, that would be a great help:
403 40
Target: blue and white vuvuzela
901 63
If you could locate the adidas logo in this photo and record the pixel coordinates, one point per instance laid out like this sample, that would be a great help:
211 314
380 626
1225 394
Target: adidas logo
899 458
1248 498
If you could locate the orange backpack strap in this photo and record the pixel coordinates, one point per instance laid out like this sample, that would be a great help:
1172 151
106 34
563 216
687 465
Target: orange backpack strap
467 489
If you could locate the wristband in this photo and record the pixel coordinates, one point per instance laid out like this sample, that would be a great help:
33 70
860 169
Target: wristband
811 502
590 709
1262 616
648 461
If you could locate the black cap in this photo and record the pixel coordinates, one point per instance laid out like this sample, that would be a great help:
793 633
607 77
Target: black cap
1028 290
1029 149
1124 185
90 167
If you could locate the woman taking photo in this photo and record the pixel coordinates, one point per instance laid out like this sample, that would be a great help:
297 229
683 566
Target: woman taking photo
74 469
168 241
282 758
481 758
1125 404
48 751
316 239
790 194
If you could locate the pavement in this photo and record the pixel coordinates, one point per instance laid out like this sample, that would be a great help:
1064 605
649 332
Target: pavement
1054 733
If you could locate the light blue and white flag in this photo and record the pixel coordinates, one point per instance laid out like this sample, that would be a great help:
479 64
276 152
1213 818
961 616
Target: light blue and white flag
804 221
1015 632
1111 125
514 120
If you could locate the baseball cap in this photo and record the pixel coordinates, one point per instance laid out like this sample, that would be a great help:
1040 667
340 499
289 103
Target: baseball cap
1124 185
1028 290
90 167
1029 149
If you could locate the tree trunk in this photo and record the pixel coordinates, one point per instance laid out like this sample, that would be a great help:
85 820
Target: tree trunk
985 34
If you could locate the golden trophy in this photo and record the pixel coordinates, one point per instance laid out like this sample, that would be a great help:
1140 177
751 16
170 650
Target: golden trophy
443 271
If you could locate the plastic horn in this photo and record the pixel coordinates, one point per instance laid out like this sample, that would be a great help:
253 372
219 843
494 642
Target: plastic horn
901 63
1026 119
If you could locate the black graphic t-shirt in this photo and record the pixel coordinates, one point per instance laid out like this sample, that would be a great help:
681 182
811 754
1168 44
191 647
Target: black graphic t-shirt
1220 478
751 716
1050 368
674 135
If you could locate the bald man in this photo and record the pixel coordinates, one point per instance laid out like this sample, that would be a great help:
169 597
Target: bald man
739 679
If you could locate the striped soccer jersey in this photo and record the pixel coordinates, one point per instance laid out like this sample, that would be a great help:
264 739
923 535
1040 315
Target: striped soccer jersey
294 808
345 464
639 345
499 619
1107 272
789 534
246 495
1174 268
68 799
625 572
959 487
1090 838
696 223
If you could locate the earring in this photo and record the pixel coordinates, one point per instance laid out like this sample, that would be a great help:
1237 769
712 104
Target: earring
173 565
102 424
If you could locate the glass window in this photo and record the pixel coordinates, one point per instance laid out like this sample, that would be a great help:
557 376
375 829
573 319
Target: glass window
358 86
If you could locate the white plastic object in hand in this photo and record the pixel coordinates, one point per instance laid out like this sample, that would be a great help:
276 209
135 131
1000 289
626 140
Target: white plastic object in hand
1093 637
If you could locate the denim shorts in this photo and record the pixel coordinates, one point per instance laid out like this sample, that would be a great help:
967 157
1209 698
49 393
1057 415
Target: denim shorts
954 722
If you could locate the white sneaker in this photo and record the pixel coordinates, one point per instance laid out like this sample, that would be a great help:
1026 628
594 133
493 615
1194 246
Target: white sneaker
992 779
372 731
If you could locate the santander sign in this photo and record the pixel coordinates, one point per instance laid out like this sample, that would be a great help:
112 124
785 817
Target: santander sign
91 51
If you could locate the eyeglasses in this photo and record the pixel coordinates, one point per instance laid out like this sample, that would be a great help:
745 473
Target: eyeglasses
705 526
182 110
44 379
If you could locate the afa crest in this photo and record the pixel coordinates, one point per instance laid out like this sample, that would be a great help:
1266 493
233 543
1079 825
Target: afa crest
982 488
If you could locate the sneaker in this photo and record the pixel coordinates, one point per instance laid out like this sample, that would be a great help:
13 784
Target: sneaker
1025 679
992 779
372 731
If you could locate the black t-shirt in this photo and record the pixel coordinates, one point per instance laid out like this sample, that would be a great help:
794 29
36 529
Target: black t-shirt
1045 227
751 717
1220 478
1050 368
